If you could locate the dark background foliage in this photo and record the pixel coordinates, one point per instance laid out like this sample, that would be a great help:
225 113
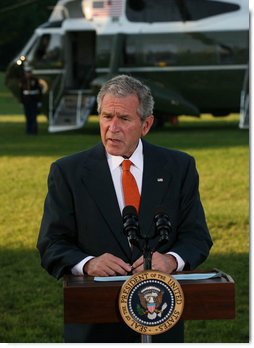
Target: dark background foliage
18 20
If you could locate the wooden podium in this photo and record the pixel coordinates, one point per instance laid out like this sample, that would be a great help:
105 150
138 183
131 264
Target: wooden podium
89 301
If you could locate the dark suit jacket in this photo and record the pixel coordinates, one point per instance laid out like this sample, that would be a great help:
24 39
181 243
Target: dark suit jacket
82 216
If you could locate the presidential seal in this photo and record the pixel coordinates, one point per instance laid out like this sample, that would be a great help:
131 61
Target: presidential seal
151 302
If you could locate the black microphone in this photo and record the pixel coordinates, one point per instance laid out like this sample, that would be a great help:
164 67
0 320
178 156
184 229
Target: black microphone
131 225
162 227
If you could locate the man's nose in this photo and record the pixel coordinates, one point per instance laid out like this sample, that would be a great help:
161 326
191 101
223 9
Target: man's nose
114 125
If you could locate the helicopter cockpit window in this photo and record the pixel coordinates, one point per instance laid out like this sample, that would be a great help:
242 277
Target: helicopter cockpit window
199 9
151 11
73 9
47 53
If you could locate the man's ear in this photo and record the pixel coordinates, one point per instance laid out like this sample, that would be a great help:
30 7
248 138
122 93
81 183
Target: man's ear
147 124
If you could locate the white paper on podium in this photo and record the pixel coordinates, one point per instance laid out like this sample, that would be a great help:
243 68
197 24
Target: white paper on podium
191 276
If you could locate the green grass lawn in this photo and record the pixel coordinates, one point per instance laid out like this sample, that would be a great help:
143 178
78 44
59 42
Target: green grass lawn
31 302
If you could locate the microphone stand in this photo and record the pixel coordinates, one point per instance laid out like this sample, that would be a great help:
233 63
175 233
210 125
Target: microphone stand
131 229
147 254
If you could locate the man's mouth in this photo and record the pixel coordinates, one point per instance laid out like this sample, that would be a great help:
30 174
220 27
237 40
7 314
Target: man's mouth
114 141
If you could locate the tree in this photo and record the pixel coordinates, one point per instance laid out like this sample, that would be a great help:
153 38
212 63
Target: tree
18 21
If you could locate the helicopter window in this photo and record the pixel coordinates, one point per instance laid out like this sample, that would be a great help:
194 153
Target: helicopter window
98 4
48 51
73 9
199 9
151 11
42 48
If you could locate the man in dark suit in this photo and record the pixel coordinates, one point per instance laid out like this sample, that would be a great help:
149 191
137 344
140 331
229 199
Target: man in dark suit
82 229
30 97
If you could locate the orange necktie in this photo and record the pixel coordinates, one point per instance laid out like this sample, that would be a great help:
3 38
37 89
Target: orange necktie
130 187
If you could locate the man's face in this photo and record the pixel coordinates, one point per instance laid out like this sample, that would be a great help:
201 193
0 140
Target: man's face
121 126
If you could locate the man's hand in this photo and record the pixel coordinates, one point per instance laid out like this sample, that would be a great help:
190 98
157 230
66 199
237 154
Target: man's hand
106 265
160 262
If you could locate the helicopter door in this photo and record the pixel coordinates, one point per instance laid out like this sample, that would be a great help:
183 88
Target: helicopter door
80 58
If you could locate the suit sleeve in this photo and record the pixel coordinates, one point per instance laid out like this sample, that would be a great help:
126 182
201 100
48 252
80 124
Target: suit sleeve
193 240
57 241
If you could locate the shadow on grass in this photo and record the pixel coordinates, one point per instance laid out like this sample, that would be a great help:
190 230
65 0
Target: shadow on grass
31 301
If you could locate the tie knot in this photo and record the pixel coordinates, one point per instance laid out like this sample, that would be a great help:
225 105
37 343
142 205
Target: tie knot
126 164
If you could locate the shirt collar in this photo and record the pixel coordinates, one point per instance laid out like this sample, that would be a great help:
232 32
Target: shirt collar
136 158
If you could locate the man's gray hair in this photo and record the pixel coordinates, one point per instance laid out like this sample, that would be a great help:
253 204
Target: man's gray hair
122 86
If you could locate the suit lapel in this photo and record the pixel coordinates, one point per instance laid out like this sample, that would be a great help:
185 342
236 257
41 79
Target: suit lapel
155 185
98 181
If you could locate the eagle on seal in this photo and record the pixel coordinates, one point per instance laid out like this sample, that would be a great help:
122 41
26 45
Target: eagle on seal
151 299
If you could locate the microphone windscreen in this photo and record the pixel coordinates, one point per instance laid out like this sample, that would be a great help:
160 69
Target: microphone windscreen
129 210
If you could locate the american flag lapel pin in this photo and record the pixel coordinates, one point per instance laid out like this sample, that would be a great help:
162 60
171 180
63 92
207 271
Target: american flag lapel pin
159 179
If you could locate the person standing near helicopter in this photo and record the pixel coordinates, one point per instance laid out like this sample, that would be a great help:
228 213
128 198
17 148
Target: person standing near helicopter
30 96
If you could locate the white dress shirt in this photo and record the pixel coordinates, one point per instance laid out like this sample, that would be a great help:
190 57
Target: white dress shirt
136 169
